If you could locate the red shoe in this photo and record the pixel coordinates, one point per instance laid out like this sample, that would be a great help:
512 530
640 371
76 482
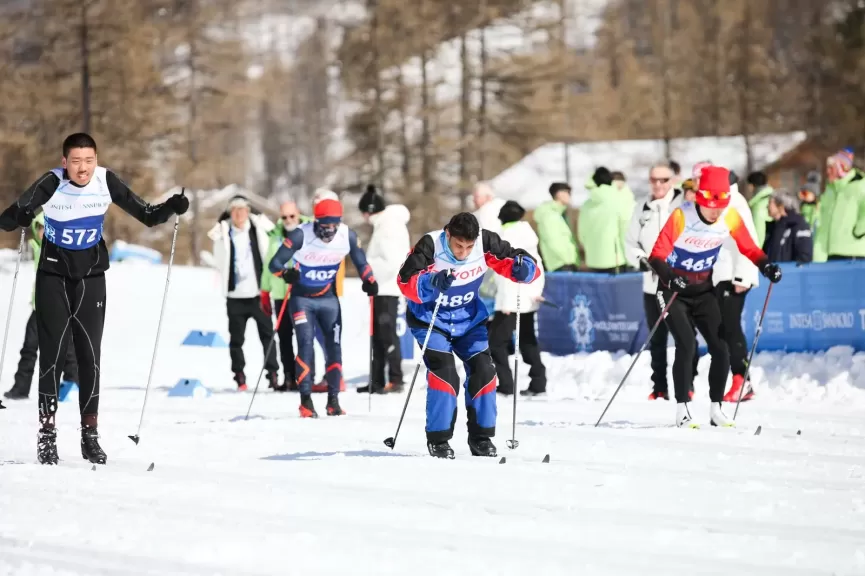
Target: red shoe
240 378
690 395
659 395
733 394
306 408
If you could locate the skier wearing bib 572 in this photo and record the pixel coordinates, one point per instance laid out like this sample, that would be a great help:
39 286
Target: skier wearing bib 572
318 248
683 257
447 267
70 278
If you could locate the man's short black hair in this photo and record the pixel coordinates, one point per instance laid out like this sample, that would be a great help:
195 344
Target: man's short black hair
464 226
757 179
675 167
557 187
78 140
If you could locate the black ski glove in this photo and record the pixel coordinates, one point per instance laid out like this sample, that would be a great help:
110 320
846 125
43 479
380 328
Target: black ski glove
24 217
178 203
370 287
771 271
443 280
678 283
291 275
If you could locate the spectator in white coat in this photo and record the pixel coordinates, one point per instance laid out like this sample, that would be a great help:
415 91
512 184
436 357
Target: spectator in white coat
387 250
646 223
240 242
734 276
519 234
487 208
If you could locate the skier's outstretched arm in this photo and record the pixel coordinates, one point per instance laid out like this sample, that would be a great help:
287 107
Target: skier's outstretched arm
359 258
744 240
415 275
148 214
35 196
501 257
290 245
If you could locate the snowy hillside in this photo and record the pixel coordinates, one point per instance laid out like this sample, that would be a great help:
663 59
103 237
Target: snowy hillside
281 495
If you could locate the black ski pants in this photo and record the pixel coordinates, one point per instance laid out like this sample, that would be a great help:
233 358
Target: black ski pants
658 344
386 348
240 310
501 330
700 309
732 305
67 308
30 353
285 331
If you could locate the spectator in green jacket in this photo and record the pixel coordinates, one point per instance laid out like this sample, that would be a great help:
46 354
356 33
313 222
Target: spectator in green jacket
841 215
30 350
273 290
809 195
557 244
601 225
760 190
627 203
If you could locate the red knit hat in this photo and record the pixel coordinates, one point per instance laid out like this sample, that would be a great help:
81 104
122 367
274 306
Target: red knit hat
714 189
328 211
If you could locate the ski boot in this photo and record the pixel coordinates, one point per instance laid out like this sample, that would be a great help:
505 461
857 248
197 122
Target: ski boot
240 378
718 418
90 449
375 390
739 383
659 395
482 446
532 392
46 445
333 408
683 416
15 394
290 384
273 381
307 410
440 450
2 407
393 387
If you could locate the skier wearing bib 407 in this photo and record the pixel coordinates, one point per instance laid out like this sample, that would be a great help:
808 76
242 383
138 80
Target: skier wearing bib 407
447 267
683 256
70 278
318 248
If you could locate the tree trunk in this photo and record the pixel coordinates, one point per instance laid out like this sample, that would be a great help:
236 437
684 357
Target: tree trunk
425 125
565 91
482 110
192 152
465 116
745 85
85 72
667 84
403 132
379 119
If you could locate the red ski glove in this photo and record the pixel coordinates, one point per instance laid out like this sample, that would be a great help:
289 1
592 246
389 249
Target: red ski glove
266 307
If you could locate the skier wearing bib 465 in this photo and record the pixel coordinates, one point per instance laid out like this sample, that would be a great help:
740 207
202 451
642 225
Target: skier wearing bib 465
447 267
318 248
683 257
70 278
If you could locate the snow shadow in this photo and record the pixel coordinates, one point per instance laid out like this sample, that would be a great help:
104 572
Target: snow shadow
346 453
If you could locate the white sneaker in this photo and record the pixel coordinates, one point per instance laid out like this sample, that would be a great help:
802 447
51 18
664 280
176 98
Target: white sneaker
718 418
683 416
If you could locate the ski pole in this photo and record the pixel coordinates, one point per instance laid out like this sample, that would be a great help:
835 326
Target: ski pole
11 303
753 348
371 344
267 354
637 357
391 442
513 443
136 437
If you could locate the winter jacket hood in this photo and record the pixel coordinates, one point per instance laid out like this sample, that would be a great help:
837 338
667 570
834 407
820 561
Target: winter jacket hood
557 243
519 235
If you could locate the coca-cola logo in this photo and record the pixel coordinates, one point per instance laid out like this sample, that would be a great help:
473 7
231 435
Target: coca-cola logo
319 258
702 242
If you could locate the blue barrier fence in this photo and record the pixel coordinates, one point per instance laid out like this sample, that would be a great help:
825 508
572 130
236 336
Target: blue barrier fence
813 308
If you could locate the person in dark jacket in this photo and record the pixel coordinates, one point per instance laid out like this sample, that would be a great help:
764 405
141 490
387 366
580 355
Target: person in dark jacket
788 237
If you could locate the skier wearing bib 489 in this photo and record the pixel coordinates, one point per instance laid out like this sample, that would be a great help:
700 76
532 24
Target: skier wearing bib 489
70 278
683 257
447 267
318 248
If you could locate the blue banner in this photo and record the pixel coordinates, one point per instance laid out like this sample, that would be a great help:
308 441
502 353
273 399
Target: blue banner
596 312
813 308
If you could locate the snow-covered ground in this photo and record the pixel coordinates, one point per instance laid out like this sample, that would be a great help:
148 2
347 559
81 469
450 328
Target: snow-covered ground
280 495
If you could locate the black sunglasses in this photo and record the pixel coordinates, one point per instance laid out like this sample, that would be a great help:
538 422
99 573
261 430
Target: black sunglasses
659 180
